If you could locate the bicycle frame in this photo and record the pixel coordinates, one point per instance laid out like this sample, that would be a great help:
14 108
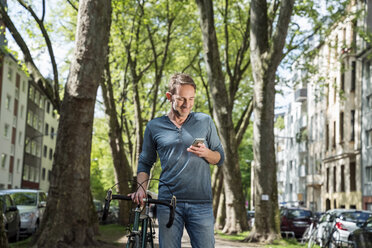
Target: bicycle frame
144 223
136 234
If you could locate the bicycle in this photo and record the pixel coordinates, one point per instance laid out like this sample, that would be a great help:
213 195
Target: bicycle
309 235
144 237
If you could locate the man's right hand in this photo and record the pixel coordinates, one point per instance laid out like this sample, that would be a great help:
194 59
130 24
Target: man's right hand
138 196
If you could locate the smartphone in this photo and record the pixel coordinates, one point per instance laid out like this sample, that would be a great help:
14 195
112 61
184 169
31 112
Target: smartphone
198 141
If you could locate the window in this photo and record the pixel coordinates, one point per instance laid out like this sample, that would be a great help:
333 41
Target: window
30 116
352 177
49 175
369 174
352 120
33 148
327 184
353 76
35 121
52 132
48 107
46 129
50 153
43 174
45 151
8 101
6 131
327 137
341 127
10 74
31 93
334 135
342 178
369 102
334 179
369 138
36 97
3 160
25 172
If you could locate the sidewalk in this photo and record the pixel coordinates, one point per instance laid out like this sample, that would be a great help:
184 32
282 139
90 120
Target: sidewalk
220 243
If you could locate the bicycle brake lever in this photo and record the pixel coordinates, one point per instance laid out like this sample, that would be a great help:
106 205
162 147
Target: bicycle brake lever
172 211
107 204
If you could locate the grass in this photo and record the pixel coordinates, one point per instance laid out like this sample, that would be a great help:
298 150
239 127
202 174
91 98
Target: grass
232 237
21 244
111 233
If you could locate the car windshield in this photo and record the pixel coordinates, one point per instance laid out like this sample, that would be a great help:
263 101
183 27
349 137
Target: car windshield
356 216
298 213
25 198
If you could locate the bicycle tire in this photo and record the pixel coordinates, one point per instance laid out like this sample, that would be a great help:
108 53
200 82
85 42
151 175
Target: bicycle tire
134 242
305 237
312 240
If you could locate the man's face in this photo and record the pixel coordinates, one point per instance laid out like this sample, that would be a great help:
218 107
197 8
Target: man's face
183 100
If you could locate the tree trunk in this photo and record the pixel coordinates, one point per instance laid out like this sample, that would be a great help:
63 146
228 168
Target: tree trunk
266 54
221 213
236 217
123 171
217 184
70 218
3 237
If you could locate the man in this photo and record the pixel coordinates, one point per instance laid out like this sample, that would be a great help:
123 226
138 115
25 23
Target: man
185 168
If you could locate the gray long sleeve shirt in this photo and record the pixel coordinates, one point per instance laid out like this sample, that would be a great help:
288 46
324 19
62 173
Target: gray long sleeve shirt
187 175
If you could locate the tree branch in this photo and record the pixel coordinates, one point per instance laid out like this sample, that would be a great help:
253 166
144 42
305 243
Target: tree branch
280 34
49 46
244 122
72 5
31 67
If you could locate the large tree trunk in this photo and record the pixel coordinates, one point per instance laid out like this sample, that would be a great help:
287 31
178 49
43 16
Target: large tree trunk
266 55
123 171
217 184
70 218
236 217
3 237
221 212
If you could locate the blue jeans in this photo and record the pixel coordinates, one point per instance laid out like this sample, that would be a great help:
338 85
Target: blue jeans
198 220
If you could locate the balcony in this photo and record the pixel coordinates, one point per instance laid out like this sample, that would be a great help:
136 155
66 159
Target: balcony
301 95
314 180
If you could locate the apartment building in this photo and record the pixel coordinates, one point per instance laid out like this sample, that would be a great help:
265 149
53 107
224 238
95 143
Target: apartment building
49 144
292 154
13 103
364 56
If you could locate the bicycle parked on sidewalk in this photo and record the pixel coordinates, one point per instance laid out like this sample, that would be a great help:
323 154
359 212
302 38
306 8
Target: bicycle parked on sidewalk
141 233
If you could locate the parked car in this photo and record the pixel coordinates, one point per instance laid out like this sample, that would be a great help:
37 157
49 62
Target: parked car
11 216
31 205
362 237
294 221
340 222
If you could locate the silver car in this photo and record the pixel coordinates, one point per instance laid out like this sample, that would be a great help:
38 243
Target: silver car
337 224
31 205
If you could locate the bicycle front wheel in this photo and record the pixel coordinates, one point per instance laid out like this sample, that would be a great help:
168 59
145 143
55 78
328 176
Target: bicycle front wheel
312 239
134 242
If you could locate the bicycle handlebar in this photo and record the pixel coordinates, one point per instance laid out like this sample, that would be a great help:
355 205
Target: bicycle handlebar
171 205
